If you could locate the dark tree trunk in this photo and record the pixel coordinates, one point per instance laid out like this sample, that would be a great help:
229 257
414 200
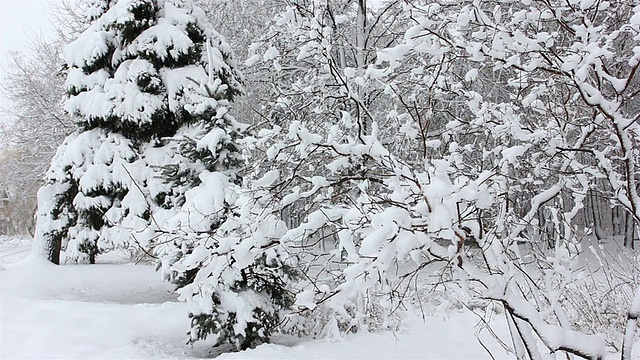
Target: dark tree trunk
597 229
629 231
617 221
53 250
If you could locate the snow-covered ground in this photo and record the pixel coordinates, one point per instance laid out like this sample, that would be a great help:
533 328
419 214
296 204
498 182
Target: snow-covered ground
13 249
117 310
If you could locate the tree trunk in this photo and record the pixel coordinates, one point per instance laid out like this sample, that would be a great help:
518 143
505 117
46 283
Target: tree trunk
596 219
629 231
46 246
617 224
631 325
54 245
360 35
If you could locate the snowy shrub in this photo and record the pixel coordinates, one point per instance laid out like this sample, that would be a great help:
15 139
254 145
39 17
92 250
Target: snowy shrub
232 272
246 311
212 236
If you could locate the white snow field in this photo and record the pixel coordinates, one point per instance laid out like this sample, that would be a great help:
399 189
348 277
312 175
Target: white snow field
118 310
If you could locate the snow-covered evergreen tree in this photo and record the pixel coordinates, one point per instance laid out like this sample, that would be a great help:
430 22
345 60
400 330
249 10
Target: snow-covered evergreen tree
155 159
131 76
216 242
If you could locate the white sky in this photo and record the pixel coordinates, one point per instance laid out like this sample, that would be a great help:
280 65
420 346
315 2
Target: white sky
20 20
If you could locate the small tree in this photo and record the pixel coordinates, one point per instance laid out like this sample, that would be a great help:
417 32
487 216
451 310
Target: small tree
215 242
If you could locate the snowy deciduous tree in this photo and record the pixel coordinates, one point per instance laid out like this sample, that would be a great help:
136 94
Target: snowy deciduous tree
35 123
495 115
312 58
241 22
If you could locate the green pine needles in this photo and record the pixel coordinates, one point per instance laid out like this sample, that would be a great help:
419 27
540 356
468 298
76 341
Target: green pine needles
267 277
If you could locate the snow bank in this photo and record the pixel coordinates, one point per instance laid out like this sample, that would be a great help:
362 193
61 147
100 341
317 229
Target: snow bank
124 311
436 338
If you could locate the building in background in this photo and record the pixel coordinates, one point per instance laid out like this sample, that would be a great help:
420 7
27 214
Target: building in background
6 210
